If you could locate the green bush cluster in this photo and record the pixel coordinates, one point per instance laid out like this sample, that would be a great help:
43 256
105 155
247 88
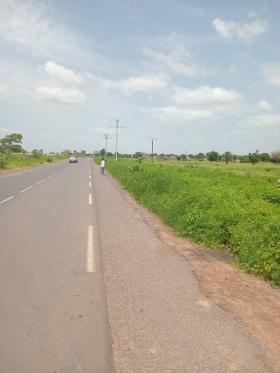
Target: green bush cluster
215 207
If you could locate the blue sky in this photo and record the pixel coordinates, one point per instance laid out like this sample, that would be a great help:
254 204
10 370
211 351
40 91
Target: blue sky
197 75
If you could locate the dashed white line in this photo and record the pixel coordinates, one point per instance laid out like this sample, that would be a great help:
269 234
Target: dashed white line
40 181
90 251
89 176
90 199
89 184
24 190
7 199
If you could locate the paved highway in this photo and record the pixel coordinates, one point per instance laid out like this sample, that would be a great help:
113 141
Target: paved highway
66 306
53 308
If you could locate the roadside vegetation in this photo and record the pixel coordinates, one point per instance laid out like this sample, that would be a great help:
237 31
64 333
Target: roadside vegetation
233 206
12 155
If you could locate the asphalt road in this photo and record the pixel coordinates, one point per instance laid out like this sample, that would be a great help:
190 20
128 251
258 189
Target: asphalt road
86 285
53 307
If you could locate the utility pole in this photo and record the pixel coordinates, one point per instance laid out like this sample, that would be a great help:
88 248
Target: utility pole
153 139
106 137
117 126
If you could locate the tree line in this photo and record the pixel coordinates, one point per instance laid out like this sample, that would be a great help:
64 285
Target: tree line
212 156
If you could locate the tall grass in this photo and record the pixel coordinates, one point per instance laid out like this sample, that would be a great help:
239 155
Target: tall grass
10 161
218 206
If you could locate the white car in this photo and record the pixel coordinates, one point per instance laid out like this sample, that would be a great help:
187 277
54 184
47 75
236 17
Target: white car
73 159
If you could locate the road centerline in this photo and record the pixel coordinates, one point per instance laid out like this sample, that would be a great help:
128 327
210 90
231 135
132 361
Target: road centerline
90 199
7 199
40 181
24 190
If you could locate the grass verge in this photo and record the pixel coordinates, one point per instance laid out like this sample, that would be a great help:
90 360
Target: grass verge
213 206
11 161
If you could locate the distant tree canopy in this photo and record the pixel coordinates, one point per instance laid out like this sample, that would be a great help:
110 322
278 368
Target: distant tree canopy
212 156
137 155
227 157
275 157
200 156
37 153
264 157
253 157
11 143
66 152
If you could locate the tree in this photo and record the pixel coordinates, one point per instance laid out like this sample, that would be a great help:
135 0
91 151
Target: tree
102 152
83 153
37 153
212 156
253 158
244 159
200 156
275 157
183 157
227 157
11 143
264 157
66 152
137 155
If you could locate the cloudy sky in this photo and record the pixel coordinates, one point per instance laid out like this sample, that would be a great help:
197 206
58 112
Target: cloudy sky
198 75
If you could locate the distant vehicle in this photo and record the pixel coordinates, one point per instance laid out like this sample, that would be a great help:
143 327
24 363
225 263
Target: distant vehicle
73 159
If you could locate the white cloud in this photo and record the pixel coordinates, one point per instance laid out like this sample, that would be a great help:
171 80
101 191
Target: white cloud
143 83
62 73
175 114
264 105
4 130
264 121
170 55
29 25
64 95
60 85
205 95
16 82
245 31
271 73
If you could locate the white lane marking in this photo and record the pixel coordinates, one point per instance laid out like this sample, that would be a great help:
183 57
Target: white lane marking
40 181
5 200
49 177
90 251
24 190
90 199
89 176
89 184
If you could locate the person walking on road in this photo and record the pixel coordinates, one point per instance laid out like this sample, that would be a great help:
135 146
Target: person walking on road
102 166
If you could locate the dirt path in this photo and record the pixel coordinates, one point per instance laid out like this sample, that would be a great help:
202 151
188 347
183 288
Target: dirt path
174 307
